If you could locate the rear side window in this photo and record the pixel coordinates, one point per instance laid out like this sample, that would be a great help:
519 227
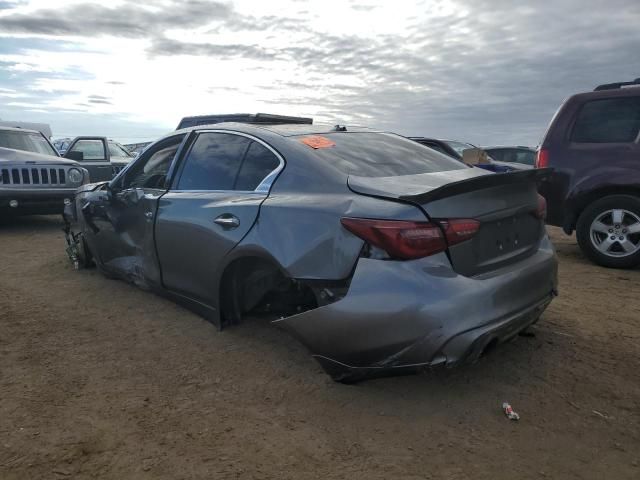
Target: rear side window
258 163
382 155
213 162
613 120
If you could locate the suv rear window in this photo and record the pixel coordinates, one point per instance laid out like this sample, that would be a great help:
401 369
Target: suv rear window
612 120
383 155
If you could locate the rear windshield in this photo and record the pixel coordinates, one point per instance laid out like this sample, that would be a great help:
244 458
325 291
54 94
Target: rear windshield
27 141
382 155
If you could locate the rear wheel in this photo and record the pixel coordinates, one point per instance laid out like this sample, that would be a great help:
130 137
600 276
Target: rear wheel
608 231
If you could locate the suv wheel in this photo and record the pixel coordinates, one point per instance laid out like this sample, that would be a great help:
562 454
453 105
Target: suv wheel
608 231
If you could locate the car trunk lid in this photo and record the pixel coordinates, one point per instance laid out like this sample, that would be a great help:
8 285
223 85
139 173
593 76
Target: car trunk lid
506 205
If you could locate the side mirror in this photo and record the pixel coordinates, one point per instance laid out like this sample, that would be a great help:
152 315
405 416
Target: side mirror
74 155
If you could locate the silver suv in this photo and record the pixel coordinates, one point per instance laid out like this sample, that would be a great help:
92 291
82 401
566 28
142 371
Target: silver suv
33 178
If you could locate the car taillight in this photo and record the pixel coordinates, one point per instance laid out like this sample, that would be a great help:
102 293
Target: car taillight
405 240
459 229
542 158
400 239
541 211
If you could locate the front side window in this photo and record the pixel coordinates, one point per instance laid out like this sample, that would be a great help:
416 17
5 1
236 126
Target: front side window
92 150
26 141
612 120
150 170
213 162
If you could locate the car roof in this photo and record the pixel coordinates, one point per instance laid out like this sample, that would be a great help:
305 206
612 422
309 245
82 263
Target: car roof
18 129
630 91
285 130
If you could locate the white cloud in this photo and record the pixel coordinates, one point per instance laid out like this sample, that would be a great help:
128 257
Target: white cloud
487 72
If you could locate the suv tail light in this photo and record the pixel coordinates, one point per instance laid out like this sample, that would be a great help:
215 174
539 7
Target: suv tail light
541 211
542 158
405 240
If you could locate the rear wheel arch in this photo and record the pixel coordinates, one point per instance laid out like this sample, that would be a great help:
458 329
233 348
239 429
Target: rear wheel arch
578 203
249 281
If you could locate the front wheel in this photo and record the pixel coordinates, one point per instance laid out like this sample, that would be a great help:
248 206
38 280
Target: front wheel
608 231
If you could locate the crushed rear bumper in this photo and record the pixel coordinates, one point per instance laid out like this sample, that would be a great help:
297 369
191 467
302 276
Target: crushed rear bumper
415 314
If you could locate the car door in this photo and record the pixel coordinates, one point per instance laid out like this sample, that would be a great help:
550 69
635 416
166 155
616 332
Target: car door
212 205
93 155
124 215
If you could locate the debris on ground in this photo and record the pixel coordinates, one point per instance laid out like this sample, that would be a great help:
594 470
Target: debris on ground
508 411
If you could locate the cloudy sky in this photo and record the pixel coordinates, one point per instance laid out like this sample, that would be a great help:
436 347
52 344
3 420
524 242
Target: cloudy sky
484 71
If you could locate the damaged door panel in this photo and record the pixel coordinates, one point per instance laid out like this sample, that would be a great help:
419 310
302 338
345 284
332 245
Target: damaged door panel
215 202
122 214
209 223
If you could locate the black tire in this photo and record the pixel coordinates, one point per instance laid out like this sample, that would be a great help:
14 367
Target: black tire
616 257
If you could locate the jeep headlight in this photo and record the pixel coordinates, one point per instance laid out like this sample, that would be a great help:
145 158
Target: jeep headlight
75 176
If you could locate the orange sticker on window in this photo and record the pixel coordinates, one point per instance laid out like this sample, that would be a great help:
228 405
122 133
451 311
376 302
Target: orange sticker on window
316 141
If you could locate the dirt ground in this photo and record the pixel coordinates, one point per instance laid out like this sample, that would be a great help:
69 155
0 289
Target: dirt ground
100 379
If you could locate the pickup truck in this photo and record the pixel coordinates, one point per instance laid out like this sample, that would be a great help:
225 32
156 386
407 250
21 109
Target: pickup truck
102 157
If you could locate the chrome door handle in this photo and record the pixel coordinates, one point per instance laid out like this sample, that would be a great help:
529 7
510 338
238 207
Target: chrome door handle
227 221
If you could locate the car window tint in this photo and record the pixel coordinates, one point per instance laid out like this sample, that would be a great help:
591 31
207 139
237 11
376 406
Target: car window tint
213 162
151 171
437 147
526 157
116 151
91 149
610 120
382 155
498 155
258 163
459 147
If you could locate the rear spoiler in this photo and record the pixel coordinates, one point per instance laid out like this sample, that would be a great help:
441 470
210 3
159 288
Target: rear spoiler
479 183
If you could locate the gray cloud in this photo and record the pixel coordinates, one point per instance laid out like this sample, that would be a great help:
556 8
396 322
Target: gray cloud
167 46
99 101
128 20
494 75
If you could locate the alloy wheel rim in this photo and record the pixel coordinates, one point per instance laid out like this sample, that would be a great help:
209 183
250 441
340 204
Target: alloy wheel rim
616 233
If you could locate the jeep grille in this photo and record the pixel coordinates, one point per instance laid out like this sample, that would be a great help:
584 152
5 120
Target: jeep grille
33 176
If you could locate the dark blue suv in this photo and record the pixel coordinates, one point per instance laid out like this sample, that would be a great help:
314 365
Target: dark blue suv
593 146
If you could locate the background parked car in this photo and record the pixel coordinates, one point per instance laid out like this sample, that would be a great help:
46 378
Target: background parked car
456 149
593 146
520 157
33 178
102 157
62 144
379 254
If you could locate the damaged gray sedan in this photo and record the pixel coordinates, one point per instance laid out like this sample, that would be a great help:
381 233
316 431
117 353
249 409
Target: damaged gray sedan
379 254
